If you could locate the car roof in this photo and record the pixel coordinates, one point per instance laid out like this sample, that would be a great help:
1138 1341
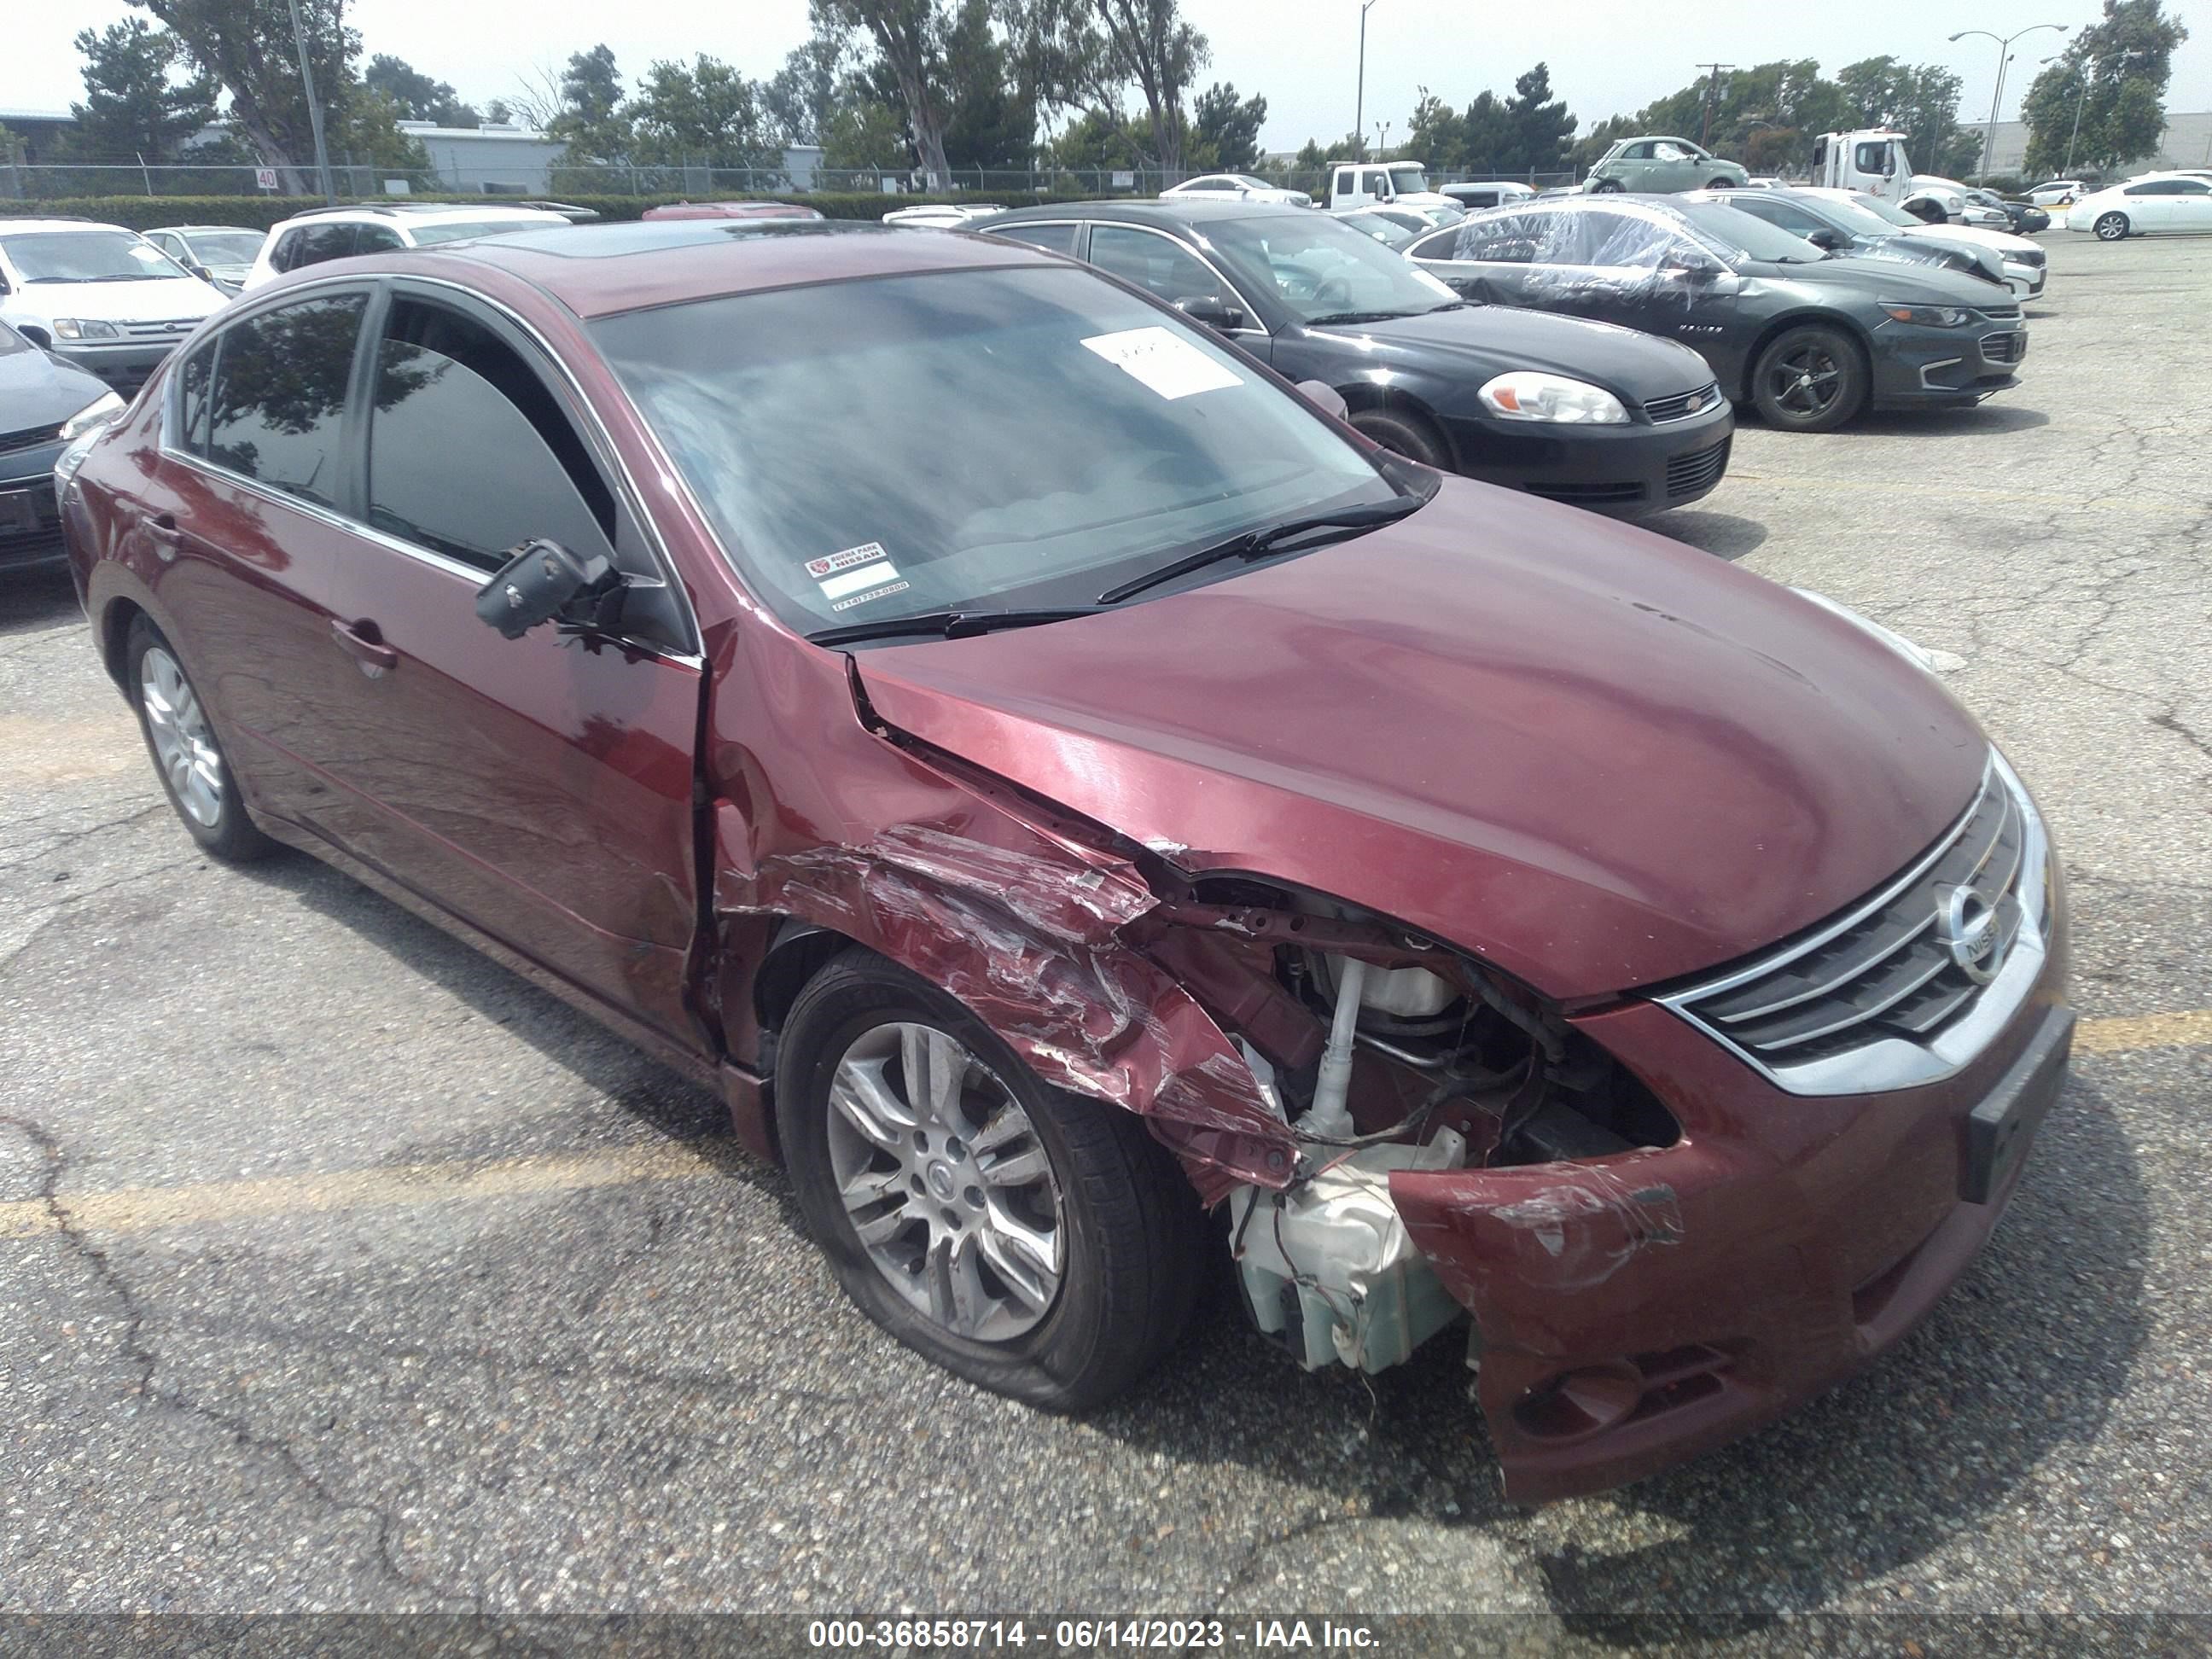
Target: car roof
244 230
413 211
13 227
597 271
1184 210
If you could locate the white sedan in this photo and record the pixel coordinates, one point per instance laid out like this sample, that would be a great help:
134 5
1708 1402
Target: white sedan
1239 187
2159 202
943 216
2056 192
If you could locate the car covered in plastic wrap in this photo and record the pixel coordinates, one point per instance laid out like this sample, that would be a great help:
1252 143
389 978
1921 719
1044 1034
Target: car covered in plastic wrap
1811 339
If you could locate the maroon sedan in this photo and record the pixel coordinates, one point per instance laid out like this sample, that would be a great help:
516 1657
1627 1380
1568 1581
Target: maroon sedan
1055 781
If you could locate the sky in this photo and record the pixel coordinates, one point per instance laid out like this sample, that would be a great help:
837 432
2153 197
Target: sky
1606 55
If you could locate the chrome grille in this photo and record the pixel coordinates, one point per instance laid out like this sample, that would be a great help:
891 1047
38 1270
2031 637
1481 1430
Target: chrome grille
2004 348
1872 997
1682 404
1688 475
175 329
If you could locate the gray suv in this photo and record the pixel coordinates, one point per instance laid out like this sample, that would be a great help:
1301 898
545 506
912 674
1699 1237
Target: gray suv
1664 166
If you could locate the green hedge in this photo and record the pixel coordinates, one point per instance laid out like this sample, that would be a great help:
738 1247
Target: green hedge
260 212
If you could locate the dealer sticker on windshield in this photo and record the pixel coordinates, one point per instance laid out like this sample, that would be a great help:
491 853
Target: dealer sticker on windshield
856 575
1166 362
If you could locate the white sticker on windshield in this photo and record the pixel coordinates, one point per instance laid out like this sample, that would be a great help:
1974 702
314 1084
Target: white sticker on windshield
873 574
1165 362
884 591
866 553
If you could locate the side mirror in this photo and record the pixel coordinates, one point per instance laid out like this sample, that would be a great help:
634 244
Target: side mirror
1834 240
1694 268
1217 314
544 582
1324 397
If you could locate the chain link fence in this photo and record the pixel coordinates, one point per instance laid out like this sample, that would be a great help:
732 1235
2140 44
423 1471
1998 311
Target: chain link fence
42 182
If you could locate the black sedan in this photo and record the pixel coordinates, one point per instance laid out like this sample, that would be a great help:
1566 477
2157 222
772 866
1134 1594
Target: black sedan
1591 415
2026 218
1809 337
44 403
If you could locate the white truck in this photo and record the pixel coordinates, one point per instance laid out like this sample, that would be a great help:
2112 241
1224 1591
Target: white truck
1873 160
1377 183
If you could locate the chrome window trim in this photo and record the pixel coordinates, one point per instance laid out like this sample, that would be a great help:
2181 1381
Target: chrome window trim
655 548
1891 1063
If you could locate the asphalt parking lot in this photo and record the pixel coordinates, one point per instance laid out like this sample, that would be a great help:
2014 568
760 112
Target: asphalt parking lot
339 1269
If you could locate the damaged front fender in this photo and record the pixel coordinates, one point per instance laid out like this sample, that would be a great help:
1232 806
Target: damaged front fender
1025 928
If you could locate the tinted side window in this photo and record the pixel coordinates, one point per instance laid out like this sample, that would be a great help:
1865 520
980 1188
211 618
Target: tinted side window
320 242
1508 239
1153 262
469 454
375 239
1059 239
279 393
1871 158
192 400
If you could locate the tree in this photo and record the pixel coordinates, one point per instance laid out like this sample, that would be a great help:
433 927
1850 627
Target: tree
245 46
1435 134
134 104
1314 157
414 95
703 113
497 113
2114 74
1098 140
1148 42
1226 130
588 116
1542 128
907 36
990 120
1921 100
800 98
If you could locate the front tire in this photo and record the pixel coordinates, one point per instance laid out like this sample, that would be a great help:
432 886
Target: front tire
1038 1244
189 759
1406 433
1809 379
1720 184
1605 184
2112 228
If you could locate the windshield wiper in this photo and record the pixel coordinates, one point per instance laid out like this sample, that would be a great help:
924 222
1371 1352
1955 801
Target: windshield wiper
1252 544
1358 317
949 624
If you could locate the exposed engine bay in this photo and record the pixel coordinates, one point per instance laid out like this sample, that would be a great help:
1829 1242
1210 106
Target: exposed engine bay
1379 1050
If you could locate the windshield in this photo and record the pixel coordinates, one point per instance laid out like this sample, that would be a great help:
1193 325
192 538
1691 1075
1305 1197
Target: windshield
88 256
1250 182
1736 235
1406 177
968 438
454 230
224 247
1324 269
1851 216
1885 211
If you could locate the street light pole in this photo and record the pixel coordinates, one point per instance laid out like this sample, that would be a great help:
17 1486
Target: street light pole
314 109
2004 47
1359 98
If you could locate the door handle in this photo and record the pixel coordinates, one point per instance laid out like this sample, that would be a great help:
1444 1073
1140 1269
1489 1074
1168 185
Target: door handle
169 540
364 643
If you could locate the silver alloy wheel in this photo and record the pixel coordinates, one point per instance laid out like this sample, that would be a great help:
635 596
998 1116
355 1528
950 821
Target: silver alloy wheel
2112 228
184 743
945 1182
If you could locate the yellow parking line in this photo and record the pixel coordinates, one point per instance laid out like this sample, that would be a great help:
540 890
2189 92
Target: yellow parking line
1969 493
2118 1036
139 1209
135 1209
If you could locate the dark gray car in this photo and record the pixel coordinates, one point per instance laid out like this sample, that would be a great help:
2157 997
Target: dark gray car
1594 417
1843 227
1810 337
44 403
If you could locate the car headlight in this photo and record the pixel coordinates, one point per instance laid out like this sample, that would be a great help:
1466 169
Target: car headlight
1929 316
97 413
1935 662
1526 395
85 328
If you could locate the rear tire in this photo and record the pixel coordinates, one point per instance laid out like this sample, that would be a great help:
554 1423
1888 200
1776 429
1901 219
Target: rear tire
1039 1244
1604 184
1720 184
1809 379
2113 226
1406 433
196 773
